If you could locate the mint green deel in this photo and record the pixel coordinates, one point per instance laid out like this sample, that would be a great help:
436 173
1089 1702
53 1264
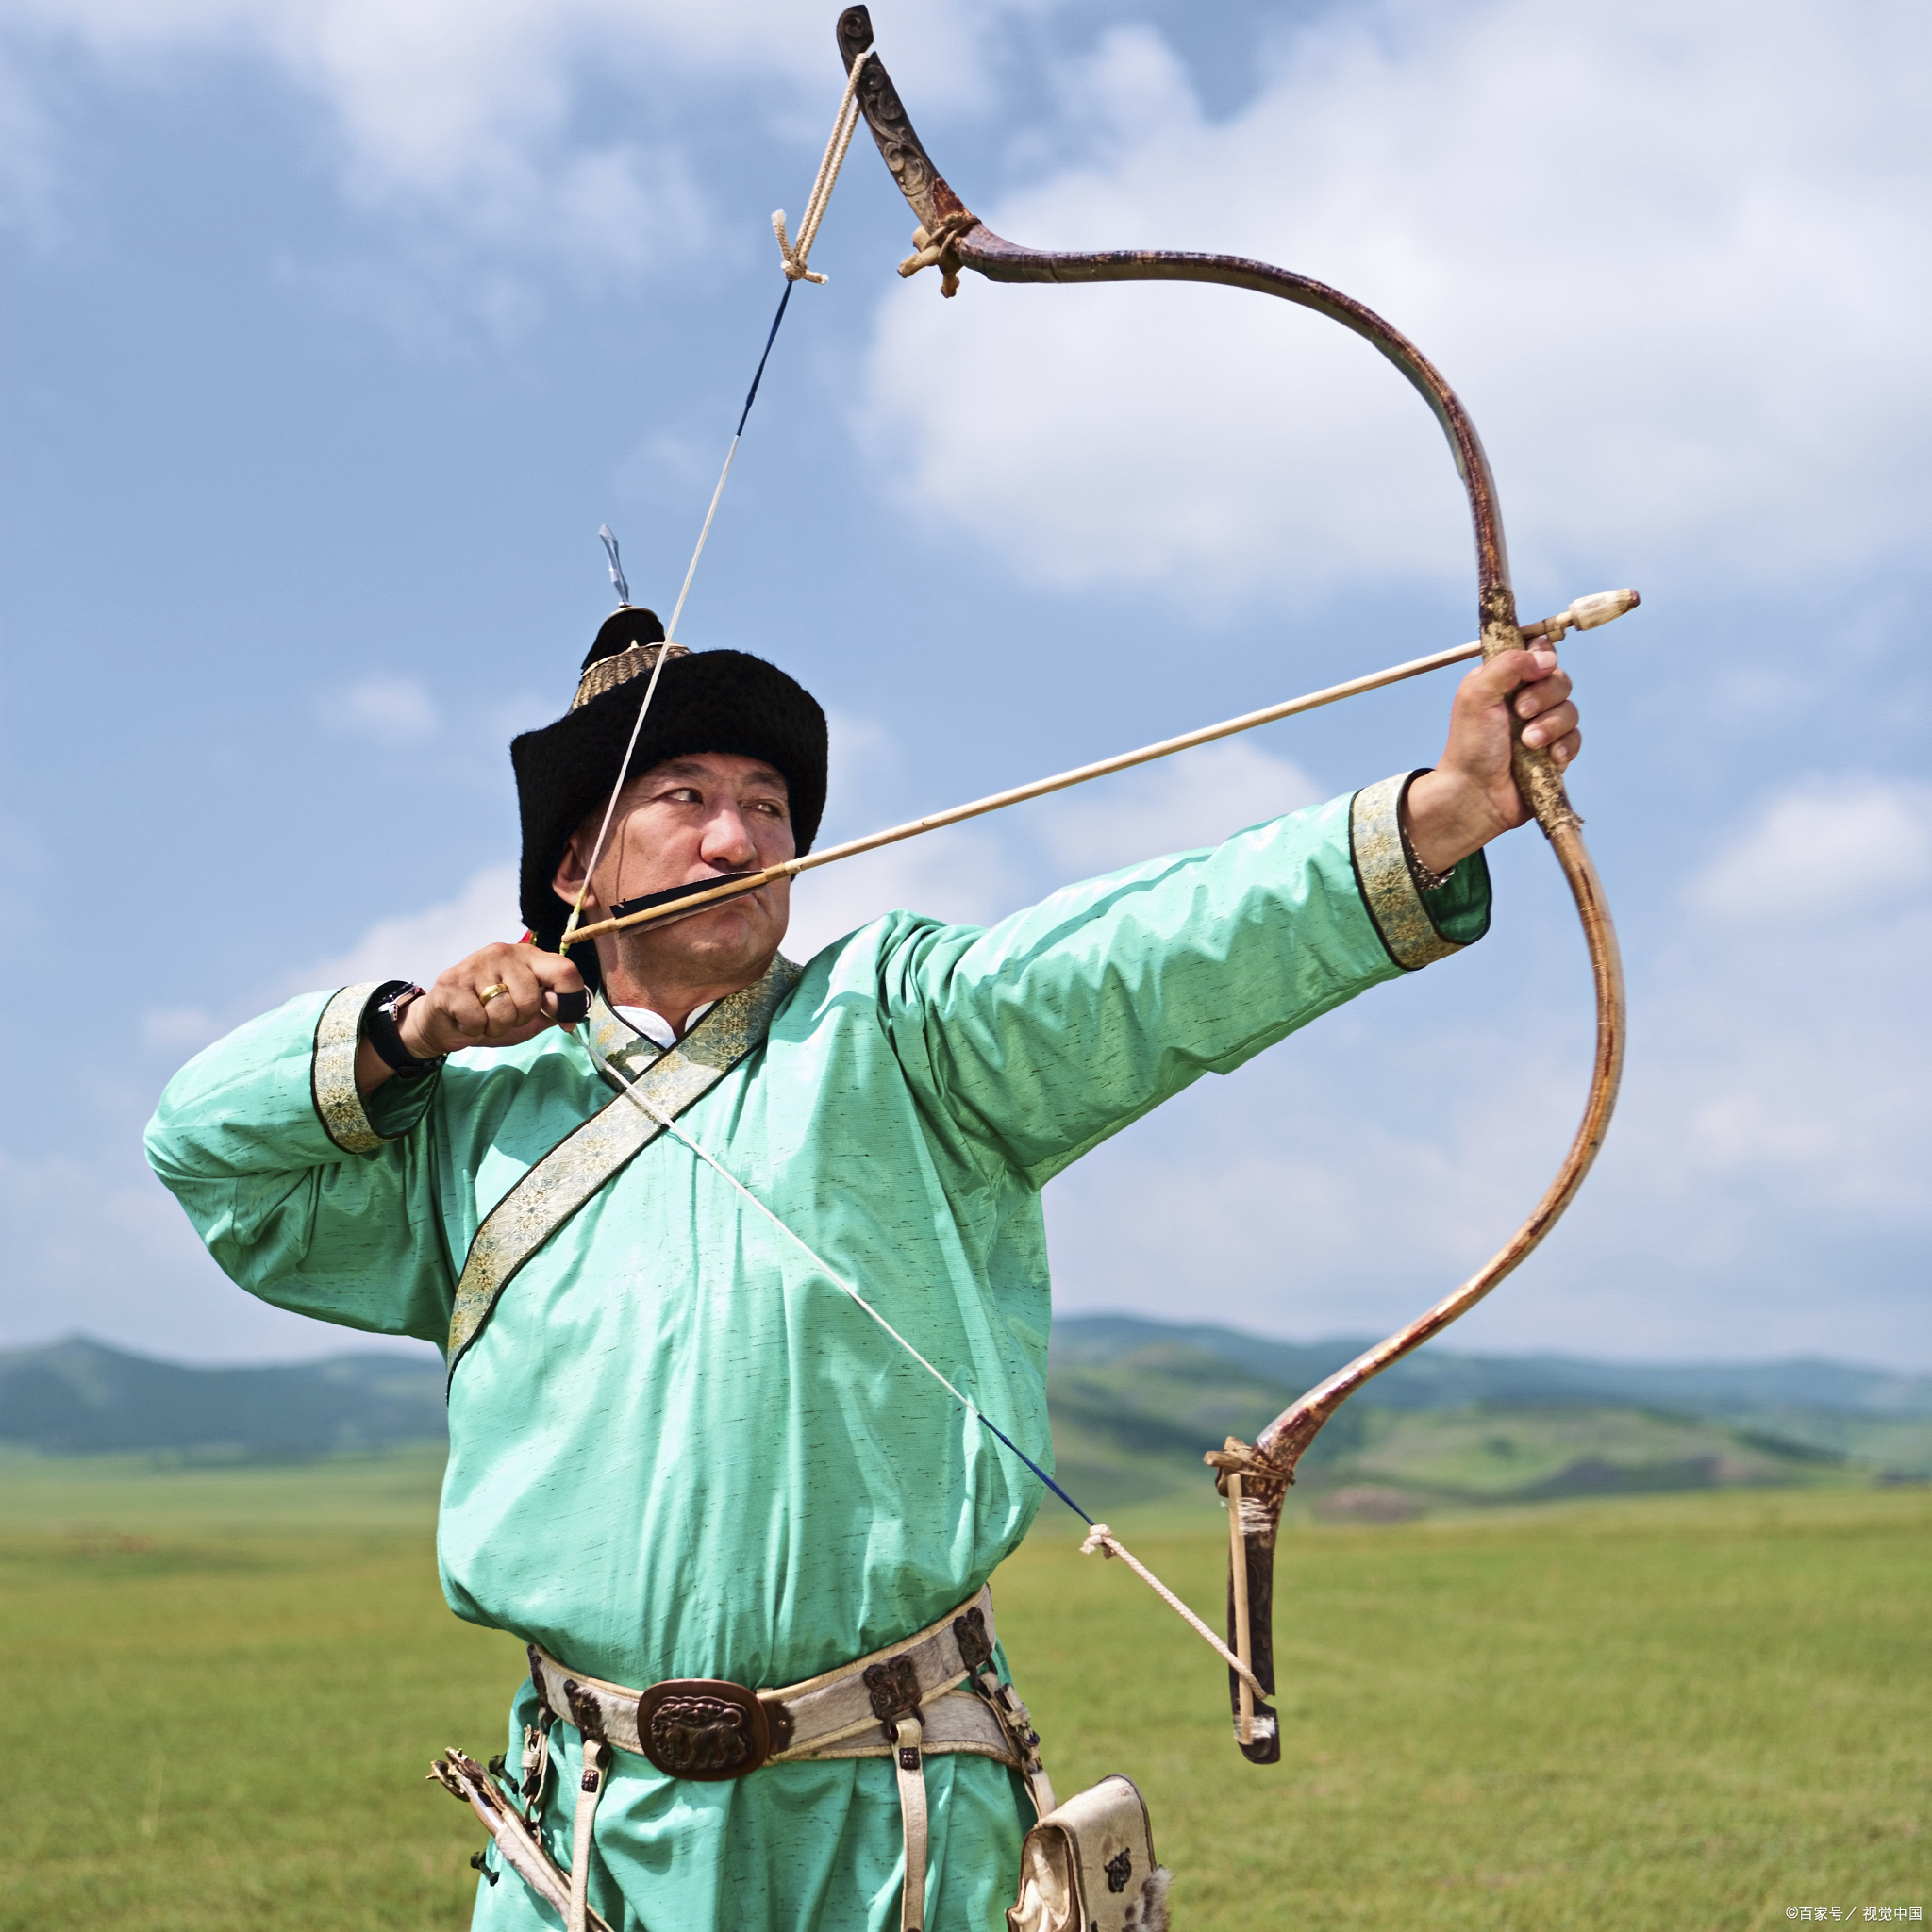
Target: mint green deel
676 1449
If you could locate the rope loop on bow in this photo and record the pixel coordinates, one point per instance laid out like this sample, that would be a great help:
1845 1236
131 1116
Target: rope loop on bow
795 253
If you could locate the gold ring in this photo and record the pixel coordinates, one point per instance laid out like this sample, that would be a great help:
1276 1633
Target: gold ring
490 992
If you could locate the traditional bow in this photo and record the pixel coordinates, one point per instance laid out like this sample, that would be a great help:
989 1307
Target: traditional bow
1254 1478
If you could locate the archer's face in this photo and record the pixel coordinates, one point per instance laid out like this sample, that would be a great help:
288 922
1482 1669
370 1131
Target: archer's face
690 819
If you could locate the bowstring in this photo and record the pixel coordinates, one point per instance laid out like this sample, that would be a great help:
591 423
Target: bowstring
1100 1537
576 910
798 269
670 1125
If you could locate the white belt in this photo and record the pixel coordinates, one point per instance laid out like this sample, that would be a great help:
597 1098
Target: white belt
936 1692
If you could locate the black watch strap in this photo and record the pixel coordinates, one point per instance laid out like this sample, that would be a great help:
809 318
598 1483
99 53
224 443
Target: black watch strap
380 1012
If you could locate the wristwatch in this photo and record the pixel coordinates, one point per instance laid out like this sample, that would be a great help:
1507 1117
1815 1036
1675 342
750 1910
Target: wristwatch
382 1013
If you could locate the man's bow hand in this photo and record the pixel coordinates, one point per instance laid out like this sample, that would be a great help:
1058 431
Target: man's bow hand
1470 797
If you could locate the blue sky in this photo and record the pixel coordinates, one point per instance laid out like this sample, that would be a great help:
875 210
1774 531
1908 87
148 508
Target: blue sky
334 330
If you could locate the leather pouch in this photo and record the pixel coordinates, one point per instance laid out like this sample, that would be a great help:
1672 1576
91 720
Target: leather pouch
1089 1867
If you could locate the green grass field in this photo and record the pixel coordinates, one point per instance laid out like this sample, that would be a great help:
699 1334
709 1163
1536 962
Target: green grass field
1690 1711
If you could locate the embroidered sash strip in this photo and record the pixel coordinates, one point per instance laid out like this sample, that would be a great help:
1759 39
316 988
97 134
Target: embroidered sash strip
574 1171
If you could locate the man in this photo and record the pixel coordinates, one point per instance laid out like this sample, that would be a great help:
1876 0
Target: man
678 1450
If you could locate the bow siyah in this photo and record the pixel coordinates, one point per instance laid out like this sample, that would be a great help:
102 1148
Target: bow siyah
1254 1478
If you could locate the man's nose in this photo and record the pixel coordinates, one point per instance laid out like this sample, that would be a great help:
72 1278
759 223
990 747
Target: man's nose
729 843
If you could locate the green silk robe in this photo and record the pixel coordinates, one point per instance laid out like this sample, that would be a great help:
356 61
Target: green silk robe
675 1449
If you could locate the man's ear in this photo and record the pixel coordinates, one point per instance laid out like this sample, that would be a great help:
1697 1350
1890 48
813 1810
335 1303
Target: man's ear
569 879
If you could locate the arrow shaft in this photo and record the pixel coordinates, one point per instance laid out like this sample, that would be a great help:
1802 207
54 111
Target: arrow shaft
1061 781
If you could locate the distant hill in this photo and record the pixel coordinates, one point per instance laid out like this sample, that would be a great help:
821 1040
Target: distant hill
82 1398
1437 1379
1134 1404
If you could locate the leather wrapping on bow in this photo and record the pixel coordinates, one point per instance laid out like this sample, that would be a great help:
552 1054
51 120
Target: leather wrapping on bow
952 238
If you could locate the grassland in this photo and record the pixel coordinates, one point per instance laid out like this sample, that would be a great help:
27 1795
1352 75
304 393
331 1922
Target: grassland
1691 1710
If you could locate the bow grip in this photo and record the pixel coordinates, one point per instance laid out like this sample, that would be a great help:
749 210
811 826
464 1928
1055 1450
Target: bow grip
1539 776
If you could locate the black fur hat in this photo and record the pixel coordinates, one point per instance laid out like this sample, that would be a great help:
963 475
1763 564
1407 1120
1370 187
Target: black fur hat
724 701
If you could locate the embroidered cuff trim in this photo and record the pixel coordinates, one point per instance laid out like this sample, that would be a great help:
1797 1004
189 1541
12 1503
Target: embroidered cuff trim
332 1074
1400 912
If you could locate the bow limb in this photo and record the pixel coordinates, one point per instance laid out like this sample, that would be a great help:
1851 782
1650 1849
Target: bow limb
952 238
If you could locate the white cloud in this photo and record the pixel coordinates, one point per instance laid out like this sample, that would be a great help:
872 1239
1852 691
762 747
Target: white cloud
1826 846
1785 1051
469 111
418 945
1670 257
391 711
476 107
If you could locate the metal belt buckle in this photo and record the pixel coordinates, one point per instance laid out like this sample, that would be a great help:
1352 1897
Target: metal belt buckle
704 1728
894 1689
975 1646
